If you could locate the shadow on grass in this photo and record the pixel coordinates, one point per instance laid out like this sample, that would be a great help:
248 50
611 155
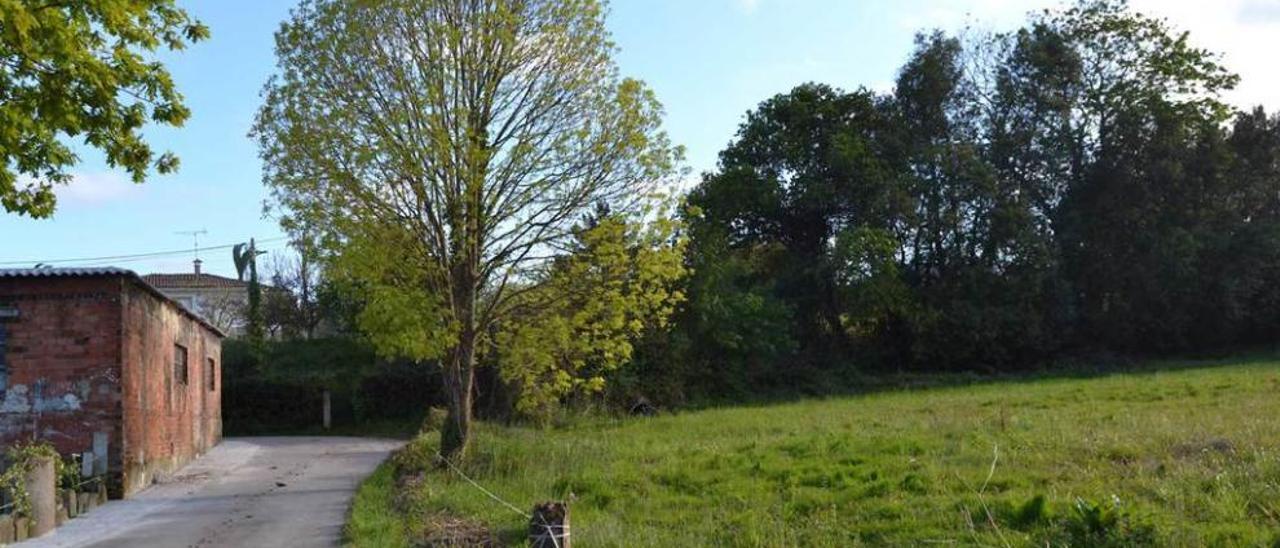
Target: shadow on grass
821 384
835 384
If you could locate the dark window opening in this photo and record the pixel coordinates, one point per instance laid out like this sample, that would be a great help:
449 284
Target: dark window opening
211 375
180 364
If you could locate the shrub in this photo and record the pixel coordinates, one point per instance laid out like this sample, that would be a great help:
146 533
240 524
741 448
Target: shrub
285 394
13 479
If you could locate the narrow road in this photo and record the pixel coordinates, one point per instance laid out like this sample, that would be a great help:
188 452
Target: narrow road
259 492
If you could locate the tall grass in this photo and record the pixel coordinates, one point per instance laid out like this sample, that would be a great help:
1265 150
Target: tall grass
1185 457
373 521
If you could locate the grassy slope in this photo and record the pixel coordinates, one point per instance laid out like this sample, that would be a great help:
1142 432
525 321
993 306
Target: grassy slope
1193 454
373 521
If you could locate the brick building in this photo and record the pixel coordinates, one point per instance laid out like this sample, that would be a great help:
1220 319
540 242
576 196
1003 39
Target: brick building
98 356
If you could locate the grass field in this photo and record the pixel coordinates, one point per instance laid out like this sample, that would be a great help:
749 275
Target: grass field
1186 456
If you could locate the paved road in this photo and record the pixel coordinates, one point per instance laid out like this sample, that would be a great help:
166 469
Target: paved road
260 492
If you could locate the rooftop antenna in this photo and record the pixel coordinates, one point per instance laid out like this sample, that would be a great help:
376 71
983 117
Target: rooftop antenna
195 239
195 244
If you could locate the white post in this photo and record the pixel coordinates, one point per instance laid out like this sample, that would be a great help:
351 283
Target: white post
99 453
328 419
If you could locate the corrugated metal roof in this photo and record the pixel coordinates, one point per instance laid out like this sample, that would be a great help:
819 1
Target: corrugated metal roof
54 272
85 272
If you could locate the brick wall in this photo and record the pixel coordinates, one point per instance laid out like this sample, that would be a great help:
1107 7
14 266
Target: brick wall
96 355
167 421
62 358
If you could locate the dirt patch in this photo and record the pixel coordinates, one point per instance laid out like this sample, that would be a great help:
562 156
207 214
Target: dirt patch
432 529
443 530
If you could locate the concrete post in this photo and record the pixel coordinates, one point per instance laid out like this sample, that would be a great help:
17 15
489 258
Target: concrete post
99 453
6 529
549 526
328 415
21 529
41 486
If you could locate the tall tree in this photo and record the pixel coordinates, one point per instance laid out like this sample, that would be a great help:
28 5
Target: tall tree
446 148
805 166
69 69
1105 102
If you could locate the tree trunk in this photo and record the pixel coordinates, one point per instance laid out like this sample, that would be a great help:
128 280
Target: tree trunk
459 372
459 380
465 272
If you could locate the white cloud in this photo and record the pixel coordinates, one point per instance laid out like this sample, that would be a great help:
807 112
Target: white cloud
955 14
95 188
1245 32
883 86
748 6
1260 11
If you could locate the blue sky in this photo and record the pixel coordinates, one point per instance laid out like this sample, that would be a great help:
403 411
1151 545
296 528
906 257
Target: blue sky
709 61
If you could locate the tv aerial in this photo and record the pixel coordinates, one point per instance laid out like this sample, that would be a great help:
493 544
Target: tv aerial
195 240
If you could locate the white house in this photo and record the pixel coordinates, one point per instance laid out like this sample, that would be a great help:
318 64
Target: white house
220 300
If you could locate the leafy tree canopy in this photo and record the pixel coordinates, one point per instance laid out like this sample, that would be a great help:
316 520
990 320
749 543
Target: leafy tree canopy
1070 186
84 69
444 151
621 278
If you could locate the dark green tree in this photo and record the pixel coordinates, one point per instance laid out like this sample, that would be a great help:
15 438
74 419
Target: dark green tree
806 169
1074 186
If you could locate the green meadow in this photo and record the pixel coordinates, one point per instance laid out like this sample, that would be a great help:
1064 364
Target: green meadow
1187 455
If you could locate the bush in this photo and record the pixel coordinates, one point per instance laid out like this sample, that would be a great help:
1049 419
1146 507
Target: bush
286 393
17 462
256 407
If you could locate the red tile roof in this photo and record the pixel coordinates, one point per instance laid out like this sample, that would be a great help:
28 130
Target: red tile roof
192 281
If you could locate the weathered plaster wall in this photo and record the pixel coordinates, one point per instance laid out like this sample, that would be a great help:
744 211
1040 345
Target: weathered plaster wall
166 422
63 362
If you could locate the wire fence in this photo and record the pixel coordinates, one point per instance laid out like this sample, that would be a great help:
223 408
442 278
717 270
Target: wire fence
94 479
550 532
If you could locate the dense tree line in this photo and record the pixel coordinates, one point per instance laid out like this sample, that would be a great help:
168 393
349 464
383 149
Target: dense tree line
1073 188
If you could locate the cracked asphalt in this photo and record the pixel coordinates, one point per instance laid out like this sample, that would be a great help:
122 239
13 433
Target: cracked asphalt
262 492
